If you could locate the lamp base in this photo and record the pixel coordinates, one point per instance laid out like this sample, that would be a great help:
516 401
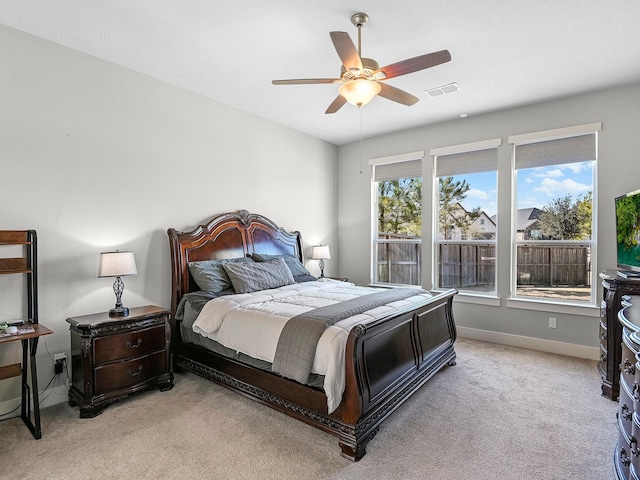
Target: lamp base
119 312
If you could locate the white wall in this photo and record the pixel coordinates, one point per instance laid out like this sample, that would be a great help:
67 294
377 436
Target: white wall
618 173
96 157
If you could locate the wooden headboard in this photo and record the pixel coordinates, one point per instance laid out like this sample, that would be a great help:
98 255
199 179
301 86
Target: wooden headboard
229 235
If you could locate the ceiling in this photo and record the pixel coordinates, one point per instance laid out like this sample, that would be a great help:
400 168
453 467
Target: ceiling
505 53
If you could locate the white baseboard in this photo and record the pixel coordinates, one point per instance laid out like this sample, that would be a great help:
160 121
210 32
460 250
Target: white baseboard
551 346
48 398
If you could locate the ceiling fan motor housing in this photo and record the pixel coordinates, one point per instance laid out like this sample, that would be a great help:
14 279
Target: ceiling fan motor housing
369 67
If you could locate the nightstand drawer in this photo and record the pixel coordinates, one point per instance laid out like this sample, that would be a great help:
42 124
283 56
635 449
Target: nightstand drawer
125 374
128 345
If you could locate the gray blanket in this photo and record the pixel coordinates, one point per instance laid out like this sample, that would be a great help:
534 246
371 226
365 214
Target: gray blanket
299 338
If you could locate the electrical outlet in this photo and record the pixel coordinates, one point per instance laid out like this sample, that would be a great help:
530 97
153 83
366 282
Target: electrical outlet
59 361
553 322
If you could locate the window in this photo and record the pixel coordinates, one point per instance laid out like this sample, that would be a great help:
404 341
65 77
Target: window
466 211
397 255
553 247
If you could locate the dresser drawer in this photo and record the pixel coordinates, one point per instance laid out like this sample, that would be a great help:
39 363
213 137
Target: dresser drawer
628 362
130 344
634 451
126 374
626 408
623 452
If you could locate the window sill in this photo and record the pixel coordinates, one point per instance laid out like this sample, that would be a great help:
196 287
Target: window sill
556 307
487 299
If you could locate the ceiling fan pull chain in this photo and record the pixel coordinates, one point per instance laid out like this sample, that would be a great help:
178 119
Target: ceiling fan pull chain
361 129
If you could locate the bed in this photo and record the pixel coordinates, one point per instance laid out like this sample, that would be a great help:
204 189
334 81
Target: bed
388 351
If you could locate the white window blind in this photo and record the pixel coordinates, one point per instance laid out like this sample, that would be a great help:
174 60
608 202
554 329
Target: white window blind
468 162
556 152
393 171
467 158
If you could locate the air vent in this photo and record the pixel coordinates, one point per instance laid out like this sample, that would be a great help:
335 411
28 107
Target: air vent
438 91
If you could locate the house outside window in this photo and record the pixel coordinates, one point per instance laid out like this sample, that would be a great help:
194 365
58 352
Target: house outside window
397 190
465 213
553 249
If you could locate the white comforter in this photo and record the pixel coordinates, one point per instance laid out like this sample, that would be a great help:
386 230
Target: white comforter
251 323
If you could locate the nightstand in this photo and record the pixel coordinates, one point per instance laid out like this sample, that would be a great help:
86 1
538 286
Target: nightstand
112 357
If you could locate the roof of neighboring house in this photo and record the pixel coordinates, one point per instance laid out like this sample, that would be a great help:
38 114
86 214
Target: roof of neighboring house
525 217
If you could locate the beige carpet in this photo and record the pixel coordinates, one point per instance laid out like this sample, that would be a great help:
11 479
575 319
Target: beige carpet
500 413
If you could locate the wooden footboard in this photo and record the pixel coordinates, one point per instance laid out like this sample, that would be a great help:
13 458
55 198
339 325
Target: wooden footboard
387 361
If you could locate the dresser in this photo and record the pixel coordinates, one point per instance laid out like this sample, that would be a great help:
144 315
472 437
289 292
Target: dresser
113 357
627 451
614 288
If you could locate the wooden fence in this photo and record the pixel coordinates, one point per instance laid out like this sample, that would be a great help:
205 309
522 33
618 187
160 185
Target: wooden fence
551 265
473 265
400 260
467 265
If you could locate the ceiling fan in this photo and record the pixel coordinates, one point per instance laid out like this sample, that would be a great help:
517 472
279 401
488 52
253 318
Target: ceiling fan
361 79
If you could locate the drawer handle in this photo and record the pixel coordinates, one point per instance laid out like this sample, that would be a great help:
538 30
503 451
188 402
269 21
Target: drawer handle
633 443
626 413
134 374
603 335
629 368
134 345
626 461
636 393
603 357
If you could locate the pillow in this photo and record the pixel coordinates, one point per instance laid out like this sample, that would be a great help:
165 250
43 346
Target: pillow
304 278
251 277
297 268
211 276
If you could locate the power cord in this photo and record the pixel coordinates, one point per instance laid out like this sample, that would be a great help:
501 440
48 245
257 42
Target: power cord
53 379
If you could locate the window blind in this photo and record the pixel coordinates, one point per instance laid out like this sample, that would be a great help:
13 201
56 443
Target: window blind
467 162
393 171
581 148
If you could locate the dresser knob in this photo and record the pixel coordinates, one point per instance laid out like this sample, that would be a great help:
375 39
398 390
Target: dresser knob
626 413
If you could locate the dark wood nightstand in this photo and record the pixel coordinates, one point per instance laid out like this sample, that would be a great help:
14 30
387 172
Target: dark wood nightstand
112 357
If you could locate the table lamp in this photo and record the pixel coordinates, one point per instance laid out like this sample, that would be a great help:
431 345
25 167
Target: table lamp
322 253
117 264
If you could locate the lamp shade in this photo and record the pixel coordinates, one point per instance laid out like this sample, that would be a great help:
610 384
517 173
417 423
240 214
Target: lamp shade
117 264
360 91
320 252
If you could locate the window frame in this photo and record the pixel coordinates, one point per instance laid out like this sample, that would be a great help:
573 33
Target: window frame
375 242
466 148
546 136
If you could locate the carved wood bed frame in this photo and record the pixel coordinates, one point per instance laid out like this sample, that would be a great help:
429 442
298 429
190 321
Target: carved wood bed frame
386 361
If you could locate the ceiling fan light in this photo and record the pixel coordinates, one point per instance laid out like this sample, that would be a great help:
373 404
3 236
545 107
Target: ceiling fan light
360 91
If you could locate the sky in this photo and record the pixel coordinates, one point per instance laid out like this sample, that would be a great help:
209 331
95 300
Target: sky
536 187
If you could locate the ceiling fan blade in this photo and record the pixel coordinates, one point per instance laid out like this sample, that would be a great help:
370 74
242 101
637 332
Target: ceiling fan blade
397 95
416 63
305 81
336 104
347 51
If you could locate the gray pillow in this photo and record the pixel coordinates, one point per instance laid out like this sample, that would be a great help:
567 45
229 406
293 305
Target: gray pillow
296 267
251 277
211 276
